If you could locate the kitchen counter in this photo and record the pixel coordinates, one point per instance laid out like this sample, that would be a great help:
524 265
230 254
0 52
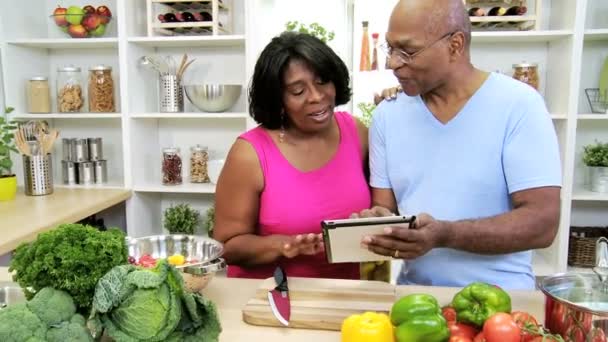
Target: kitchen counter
230 295
26 216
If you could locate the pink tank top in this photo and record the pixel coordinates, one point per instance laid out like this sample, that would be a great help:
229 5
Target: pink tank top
295 202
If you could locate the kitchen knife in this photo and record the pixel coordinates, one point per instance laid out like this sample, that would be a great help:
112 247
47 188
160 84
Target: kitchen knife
279 297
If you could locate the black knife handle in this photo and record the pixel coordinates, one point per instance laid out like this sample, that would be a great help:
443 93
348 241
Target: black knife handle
281 279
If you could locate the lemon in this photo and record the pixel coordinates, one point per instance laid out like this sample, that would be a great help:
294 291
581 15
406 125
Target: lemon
176 260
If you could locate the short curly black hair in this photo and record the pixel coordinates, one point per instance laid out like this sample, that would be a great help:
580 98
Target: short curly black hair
266 88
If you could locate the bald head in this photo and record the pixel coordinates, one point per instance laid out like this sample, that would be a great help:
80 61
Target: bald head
436 16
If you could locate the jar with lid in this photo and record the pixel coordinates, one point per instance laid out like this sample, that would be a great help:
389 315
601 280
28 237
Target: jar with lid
172 166
101 89
199 156
527 73
38 95
70 97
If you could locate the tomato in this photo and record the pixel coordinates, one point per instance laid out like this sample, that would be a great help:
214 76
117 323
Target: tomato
545 339
501 327
461 329
574 334
460 339
449 313
479 338
527 323
147 260
596 335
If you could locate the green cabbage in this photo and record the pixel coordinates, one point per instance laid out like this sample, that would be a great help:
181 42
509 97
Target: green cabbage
138 304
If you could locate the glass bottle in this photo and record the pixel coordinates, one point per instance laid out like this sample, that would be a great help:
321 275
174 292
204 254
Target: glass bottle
70 97
364 64
527 73
375 53
199 157
38 95
172 166
101 89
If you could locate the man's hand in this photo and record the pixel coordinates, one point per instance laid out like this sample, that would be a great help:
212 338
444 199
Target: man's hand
402 243
387 94
303 244
376 211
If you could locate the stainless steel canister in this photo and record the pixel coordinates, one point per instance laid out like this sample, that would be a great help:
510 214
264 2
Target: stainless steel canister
86 173
38 175
80 150
95 149
68 170
101 171
67 148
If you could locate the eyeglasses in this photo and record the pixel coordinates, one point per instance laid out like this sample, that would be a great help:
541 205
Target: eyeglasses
407 58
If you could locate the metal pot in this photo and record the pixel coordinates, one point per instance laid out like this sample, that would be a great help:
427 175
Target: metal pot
576 304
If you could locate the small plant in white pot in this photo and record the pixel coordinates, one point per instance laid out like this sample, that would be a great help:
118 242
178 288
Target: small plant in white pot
181 219
8 180
595 156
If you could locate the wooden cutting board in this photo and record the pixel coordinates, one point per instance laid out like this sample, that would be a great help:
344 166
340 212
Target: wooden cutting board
321 303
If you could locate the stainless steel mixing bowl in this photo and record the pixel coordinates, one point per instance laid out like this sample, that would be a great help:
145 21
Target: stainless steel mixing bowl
213 97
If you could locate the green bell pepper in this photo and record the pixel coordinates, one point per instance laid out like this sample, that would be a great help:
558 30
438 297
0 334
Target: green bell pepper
418 318
478 301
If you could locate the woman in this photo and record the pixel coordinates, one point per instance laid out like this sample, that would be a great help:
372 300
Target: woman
301 165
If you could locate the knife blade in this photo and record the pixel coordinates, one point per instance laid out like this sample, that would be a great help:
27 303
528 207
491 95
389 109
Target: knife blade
279 297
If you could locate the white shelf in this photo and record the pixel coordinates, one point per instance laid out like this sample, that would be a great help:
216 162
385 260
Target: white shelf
519 36
596 34
558 117
190 41
596 116
110 185
186 187
225 115
27 116
67 43
574 269
580 194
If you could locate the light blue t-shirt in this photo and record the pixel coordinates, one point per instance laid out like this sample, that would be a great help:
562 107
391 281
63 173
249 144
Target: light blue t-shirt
502 141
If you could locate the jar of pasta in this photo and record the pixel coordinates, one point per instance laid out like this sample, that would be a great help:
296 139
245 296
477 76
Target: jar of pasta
199 156
101 89
172 166
70 97
527 73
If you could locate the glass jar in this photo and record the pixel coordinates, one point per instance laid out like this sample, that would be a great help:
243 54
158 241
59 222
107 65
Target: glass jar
38 95
527 73
70 97
199 156
172 166
101 89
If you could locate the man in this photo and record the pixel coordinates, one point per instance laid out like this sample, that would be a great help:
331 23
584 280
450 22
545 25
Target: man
477 151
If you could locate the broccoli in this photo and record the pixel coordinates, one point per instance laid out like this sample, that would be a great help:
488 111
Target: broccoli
49 316
52 306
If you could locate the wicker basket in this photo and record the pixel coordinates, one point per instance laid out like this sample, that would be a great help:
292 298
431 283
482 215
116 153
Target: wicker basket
581 252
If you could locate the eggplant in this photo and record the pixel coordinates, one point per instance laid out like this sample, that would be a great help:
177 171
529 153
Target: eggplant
476 12
497 11
517 10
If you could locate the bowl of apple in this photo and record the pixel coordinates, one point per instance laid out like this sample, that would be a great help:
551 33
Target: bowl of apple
82 22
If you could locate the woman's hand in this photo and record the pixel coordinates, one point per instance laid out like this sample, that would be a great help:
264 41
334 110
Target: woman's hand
387 94
302 244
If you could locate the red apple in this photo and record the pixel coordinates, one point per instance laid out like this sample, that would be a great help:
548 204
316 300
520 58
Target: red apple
104 13
59 16
91 21
77 31
88 9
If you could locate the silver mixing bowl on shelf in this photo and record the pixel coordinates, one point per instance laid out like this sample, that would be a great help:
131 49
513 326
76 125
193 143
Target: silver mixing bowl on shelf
202 255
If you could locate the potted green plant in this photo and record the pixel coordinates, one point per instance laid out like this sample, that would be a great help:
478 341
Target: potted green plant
313 29
8 180
595 156
181 219
210 220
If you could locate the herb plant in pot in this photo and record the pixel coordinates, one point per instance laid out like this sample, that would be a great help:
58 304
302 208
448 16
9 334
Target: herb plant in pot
8 180
595 156
181 219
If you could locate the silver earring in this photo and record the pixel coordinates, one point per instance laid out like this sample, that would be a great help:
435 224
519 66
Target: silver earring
282 130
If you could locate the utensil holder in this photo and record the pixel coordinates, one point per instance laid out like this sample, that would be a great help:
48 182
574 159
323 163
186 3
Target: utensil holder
170 95
38 175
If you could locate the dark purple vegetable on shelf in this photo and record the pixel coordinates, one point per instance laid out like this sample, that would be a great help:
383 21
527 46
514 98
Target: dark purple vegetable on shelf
495 11
516 10
206 16
476 12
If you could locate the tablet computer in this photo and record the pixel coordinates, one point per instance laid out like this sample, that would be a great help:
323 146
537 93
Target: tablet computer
342 238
